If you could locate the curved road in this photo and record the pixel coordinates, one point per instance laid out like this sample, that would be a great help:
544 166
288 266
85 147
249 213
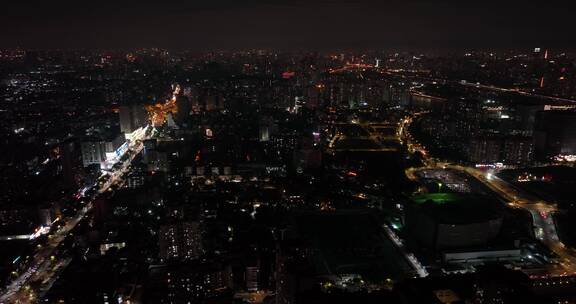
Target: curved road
541 211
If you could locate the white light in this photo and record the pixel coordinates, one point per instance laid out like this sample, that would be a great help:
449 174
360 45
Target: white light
39 231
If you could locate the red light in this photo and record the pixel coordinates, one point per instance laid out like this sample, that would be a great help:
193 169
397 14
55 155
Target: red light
288 75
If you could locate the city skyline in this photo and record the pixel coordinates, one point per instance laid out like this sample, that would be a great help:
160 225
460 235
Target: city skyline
287 152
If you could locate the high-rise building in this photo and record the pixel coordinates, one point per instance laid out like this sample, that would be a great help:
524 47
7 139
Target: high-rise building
513 150
252 278
93 152
135 179
100 150
484 150
267 128
518 150
132 117
189 282
71 162
313 96
396 94
555 133
181 241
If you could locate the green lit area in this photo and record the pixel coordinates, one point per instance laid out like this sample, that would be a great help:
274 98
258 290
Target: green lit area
438 198
456 208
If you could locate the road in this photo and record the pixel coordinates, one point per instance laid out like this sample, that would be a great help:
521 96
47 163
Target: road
410 257
45 267
542 217
541 211
379 146
518 91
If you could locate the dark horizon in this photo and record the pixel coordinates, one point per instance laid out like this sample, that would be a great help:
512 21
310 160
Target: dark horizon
319 25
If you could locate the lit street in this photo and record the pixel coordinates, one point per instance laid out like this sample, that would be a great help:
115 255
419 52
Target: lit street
541 211
43 268
269 152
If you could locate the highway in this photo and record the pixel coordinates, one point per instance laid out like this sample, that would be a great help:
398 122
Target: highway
45 266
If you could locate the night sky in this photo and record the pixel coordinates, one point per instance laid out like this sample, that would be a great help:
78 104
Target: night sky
317 24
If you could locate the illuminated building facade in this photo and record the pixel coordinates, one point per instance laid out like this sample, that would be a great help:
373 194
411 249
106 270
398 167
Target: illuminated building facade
180 241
